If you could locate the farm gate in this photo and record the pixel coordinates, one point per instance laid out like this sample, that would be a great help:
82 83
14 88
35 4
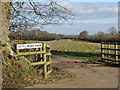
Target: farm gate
37 54
110 52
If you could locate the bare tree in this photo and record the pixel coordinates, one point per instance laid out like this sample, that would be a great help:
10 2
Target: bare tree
112 31
20 15
36 14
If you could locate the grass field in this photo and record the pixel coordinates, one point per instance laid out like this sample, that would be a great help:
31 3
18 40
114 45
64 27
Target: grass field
70 48
78 50
30 41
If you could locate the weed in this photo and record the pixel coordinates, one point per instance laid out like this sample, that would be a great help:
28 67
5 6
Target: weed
3 45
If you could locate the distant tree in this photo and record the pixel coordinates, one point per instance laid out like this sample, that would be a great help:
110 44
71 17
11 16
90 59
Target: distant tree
101 36
83 35
112 31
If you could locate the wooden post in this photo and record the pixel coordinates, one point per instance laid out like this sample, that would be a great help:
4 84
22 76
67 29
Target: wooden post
44 59
109 56
102 51
36 58
50 60
44 47
17 51
45 71
51 66
107 46
116 53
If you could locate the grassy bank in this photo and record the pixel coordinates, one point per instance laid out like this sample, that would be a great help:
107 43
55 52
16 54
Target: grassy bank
78 50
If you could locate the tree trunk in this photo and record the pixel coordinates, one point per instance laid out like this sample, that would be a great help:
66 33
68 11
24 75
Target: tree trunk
5 21
4 27
5 16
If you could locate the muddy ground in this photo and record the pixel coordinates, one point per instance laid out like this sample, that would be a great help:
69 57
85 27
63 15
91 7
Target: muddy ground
86 74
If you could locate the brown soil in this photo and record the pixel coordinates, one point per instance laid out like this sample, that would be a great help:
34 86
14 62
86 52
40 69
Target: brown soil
86 74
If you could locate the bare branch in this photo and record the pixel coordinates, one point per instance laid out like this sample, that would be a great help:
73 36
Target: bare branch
39 14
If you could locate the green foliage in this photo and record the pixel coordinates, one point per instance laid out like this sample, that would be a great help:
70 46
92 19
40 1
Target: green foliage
3 45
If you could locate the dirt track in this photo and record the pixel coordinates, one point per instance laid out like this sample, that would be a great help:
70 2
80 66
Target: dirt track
55 45
86 75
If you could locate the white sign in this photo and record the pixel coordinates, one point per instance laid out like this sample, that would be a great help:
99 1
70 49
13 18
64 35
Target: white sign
32 45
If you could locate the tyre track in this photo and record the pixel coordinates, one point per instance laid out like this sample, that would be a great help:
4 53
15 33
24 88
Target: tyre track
58 43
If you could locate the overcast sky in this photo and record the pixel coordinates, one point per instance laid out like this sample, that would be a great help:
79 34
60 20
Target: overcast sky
91 16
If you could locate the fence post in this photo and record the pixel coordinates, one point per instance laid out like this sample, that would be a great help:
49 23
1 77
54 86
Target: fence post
45 71
102 51
109 56
17 51
44 58
116 53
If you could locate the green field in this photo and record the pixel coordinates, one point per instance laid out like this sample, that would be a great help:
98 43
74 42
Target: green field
14 42
78 50
70 48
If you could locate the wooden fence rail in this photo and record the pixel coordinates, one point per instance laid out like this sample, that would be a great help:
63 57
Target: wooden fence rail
43 59
110 52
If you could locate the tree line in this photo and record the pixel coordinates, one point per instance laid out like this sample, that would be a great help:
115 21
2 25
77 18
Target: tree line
111 35
37 35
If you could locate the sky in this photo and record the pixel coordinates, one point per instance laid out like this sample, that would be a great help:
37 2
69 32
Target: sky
93 16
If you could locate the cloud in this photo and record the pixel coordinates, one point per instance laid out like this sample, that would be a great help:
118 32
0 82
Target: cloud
91 11
89 16
108 9
77 28
91 0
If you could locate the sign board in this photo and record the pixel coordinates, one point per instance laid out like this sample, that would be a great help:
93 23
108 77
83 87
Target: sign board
27 46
